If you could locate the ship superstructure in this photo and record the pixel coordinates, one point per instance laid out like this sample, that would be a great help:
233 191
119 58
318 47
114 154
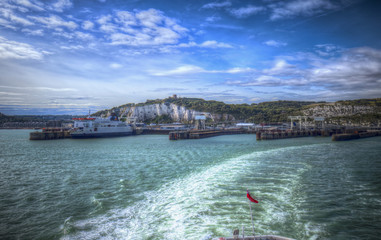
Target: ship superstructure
91 127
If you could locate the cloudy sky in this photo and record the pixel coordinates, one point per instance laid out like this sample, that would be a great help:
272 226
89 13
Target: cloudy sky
69 56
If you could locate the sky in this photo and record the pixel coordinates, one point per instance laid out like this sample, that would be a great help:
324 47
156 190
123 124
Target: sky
72 56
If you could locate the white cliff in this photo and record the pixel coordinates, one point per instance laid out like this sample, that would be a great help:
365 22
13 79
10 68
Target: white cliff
338 110
343 114
175 112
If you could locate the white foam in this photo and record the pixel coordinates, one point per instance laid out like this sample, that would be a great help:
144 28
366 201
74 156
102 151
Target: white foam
189 207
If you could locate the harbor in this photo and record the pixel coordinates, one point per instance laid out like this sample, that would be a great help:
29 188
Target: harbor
50 134
261 135
113 185
260 237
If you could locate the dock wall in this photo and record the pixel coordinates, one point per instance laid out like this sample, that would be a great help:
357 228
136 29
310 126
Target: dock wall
273 135
352 136
180 135
49 134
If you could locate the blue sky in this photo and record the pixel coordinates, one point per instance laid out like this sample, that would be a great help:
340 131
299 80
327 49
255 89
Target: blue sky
69 56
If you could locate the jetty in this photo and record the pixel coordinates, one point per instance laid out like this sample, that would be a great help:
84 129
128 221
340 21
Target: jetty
197 134
50 134
273 135
260 237
356 135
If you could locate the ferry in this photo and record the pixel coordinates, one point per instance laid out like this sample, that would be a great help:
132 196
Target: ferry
95 127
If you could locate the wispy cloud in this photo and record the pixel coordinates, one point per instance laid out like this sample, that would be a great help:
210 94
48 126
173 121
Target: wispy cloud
274 43
38 32
61 5
245 12
142 28
26 5
191 69
8 14
294 8
17 50
42 88
206 44
327 49
54 21
355 69
87 25
217 5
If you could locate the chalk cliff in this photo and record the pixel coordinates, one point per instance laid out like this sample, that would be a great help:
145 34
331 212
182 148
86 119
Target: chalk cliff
343 114
338 110
175 112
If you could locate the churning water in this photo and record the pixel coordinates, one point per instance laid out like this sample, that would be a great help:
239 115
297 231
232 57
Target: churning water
147 187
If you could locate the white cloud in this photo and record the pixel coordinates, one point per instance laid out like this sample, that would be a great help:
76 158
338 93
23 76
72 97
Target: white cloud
106 24
142 28
38 32
54 21
246 11
206 44
116 65
55 89
26 4
17 50
281 67
300 8
327 49
215 44
217 5
212 19
76 47
83 36
87 25
150 18
274 43
191 69
126 18
7 24
355 70
182 70
264 80
61 5
13 18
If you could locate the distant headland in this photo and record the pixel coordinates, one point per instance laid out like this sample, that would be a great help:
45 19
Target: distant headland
361 112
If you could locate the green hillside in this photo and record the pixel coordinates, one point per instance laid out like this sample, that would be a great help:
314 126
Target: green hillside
277 111
268 112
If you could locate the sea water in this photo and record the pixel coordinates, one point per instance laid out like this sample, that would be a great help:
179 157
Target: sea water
148 187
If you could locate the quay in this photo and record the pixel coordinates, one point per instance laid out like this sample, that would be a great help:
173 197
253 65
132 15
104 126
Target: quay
272 135
356 135
61 133
197 134
259 237
50 134
337 134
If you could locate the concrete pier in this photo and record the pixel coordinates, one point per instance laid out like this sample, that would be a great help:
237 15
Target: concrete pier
352 136
272 135
197 134
50 134
259 237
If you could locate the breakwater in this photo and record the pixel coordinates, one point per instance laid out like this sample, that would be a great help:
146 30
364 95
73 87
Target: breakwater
272 135
197 134
50 134
352 136
260 237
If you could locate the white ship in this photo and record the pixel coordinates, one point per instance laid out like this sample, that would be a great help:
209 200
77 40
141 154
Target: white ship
100 127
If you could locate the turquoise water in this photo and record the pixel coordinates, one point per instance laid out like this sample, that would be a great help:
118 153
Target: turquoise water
147 187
